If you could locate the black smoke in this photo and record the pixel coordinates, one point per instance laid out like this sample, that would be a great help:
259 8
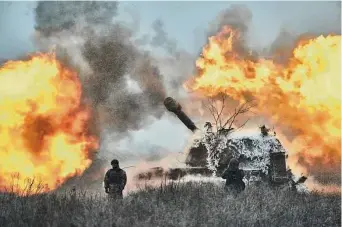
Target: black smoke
87 37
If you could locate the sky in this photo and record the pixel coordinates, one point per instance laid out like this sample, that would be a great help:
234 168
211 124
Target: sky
188 20
187 23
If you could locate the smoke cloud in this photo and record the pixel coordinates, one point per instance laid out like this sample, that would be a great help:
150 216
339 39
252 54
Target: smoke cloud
315 25
239 18
161 38
86 36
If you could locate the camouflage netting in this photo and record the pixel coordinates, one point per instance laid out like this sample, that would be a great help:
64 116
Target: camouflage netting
253 149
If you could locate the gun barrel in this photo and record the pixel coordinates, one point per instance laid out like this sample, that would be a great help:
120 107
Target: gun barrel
174 107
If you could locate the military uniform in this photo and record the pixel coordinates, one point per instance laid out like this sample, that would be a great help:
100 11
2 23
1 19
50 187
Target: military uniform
114 182
234 176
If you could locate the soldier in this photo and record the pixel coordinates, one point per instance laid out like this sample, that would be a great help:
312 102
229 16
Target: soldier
234 176
115 180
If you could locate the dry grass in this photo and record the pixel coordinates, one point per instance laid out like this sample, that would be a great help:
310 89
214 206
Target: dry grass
188 204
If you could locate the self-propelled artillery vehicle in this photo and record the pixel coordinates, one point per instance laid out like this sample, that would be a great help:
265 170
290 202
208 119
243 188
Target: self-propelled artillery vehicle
261 155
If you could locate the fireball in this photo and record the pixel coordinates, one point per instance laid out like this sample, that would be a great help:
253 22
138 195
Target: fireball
44 126
303 95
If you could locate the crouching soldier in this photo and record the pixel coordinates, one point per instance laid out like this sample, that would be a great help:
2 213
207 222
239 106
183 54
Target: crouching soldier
115 181
234 176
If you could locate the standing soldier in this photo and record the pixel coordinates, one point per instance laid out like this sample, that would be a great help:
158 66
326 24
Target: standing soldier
234 176
115 180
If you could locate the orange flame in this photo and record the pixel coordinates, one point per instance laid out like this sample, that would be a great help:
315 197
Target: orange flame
303 95
43 124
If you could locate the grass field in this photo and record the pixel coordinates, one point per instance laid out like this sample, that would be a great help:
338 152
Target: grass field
178 204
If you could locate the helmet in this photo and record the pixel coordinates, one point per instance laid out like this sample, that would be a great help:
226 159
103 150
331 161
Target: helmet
233 164
114 161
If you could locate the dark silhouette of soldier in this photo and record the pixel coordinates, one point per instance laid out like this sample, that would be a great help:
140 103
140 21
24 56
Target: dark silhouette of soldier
234 176
115 181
